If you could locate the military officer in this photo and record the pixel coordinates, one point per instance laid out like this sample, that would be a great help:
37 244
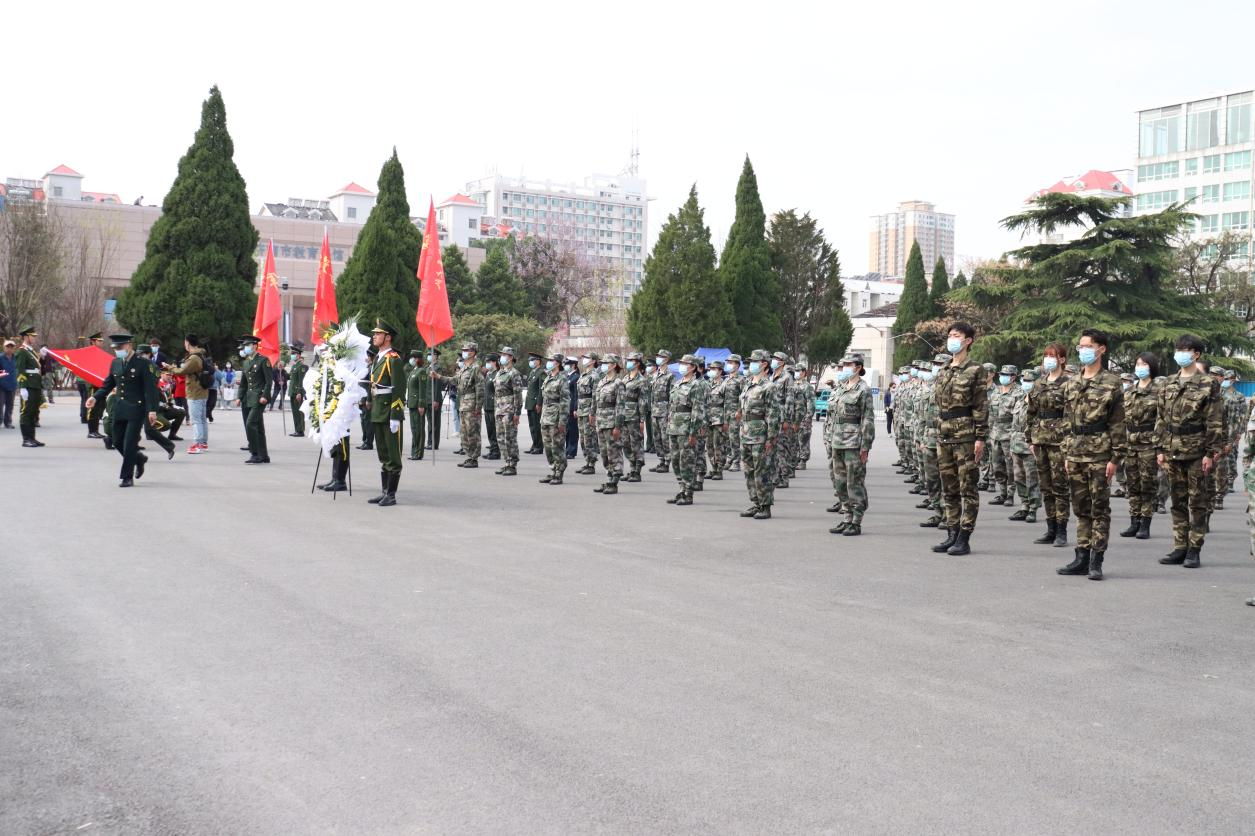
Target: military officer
363 406
341 451
848 436
490 406
555 405
30 387
1046 431
759 421
1190 429
296 388
586 410
962 394
387 411
1023 465
416 388
508 388
635 400
684 422
94 415
733 381
1141 407
132 380
257 380
1094 415
608 408
436 384
535 377
660 405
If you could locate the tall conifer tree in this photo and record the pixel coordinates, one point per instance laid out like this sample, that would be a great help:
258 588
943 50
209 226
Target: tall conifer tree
746 274
941 286
914 307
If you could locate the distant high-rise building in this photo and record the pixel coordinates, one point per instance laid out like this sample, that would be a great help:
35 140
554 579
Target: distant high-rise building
606 219
893 233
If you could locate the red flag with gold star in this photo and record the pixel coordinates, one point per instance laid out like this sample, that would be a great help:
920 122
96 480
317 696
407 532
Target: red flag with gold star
269 309
324 294
434 322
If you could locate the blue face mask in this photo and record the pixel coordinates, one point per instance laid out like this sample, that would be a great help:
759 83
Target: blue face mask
1225 384
755 367
775 364
845 374
549 364
530 363
1026 385
1183 358
1087 355
604 368
1142 372
246 350
121 352
710 374
954 345
927 376
660 361
1050 364
1004 379
631 364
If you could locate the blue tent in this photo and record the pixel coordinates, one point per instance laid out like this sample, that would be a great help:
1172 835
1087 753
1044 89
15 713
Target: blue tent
707 354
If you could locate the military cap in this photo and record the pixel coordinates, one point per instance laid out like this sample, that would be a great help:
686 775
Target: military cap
297 346
942 358
920 364
903 369
636 355
733 358
154 341
416 352
989 367
145 349
1216 370
847 360
715 364
537 356
470 346
1030 375
662 352
760 354
120 339
592 355
781 356
858 359
1230 374
1010 369
490 358
95 336
1128 378
557 355
382 327
505 349
613 359
28 332
248 338
690 359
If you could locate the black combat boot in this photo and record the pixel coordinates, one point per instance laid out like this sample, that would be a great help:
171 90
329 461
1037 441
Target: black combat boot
960 546
1143 529
339 470
1019 515
932 522
1192 559
1061 534
764 513
1095 566
854 529
1078 566
833 508
383 490
1031 516
1175 557
509 470
611 487
391 497
1134 524
750 511
685 498
952 534
840 527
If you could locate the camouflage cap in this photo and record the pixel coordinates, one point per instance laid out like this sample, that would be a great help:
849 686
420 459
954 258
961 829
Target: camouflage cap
760 354
612 359
715 364
690 359
1009 369
557 356
989 367
733 358
920 364
781 356
591 355
635 355
470 346
505 349
848 360
1029 375
858 359
1216 370
942 358
662 352
1230 374
903 369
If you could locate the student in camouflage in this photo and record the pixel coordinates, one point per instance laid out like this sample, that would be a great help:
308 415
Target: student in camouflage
1141 468
635 398
470 387
806 413
555 405
1045 429
1094 415
782 380
660 405
987 480
608 409
926 429
1190 429
1235 423
1001 398
509 387
962 395
1023 465
759 420
1241 409
699 454
683 427
586 410
848 436
716 419
733 382
1248 479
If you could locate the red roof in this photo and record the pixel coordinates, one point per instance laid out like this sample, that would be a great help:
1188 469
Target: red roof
66 170
1091 181
458 199
353 188
103 197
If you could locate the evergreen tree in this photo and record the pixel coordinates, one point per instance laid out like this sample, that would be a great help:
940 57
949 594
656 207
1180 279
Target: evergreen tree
498 289
960 281
492 331
379 279
812 296
537 262
746 274
199 267
459 282
681 304
914 307
941 286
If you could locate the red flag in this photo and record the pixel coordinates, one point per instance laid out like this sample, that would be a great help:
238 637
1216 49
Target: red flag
324 294
435 325
91 363
269 309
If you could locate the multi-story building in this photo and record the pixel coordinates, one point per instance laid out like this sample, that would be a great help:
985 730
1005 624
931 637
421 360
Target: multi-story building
892 234
606 220
1093 183
1200 151
867 293
460 220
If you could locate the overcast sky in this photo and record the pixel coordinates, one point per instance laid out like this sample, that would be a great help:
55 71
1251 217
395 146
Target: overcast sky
844 113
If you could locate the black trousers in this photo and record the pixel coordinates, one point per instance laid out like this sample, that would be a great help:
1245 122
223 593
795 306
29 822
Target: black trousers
209 405
490 417
6 406
533 426
433 426
126 442
572 436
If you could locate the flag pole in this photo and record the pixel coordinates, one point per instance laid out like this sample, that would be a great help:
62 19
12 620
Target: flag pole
316 469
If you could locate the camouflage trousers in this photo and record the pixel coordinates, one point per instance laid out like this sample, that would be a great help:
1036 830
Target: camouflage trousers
469 429
699 456
999 451
611 453
756 463
732 448
1141 475
1163 488
1122 477
1091 502
633 444
932 477
1191 503
804 441
684 462
1027 486
717 449
781 459
553 436
1053 480
849 481
508 438
987 466
588 440
662 440
1248 479
956 462
919 460
904 446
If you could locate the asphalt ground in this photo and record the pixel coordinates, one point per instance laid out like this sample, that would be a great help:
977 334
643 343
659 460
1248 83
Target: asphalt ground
219 651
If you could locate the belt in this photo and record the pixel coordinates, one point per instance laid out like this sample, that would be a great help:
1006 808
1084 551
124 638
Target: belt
957 412
1185 429
1141 428
758 416
1090 429
1047 414
382 390
682 409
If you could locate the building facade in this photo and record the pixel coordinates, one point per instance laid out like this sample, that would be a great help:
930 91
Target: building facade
867 293
889 243
1093 183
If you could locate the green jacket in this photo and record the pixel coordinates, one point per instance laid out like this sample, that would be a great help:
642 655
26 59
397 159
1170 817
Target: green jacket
1189 423
963 403
387 388
851 417
135 385
556 399
256 380
508 386
760 411
1094 412
535 379
490 391
26 361
296 379
686 409
417 387
609 399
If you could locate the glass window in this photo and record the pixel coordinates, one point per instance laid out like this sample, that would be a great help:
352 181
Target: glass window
1157 171
1211 194
1209 223
1202 124
1191 166
1160 131
1211 164
1239 190
1191 192
1238 119
1148 201
1236 220
1237 160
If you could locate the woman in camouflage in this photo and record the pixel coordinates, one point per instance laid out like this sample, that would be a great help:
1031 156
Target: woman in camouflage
608 407
635 399
1141 470
848 435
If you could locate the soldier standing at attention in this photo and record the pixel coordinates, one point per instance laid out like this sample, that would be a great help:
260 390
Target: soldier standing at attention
1141 468
1045 429
759 420
30 387
684 424
586 411
296 389
258 378
132 382
608 409
1235 423
1248 479
1000 402
1241 410
535 377
387 411
470 387
1094 417
490 407
962 393
699 454
363 406
434 399
416 382
635 399
555 396
782 380
1023 465
806 413
660 405
647 416
926 424
508 386
1190 430
716 419
848 436
732 385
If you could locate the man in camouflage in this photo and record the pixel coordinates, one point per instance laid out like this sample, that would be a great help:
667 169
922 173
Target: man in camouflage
782 380
1190 426
684 425
1140 453
1046 431
717 407
1023 465
699 454
660 405
928 420
635 398
1248 480
987 462
759 420
848 436
962 394
805 413
1235 411
900 432
555 394
608 409
1094 416
733 383
470 386
586 410
509 387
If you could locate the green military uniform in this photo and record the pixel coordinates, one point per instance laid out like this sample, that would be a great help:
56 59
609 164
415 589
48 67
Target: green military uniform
927 422
1141 448
760 430
296 391
962 397
647 407
490 407
717 407
387 414
1045 428
535 379
806 415
257 382
555 405
1234 421
660 406
470 385
733 383
508 388
1189 427
1023 465
699 454
131 389
611 416
1248 480
417 381
586 412
848 436
435 401
1001 401
30 389
782 453
1094 416
685 422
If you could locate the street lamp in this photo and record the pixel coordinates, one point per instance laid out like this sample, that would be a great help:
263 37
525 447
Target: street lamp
287 314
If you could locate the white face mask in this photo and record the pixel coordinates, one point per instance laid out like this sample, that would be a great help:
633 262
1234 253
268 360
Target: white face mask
533 363
413 361
605 368
660 361
466 355
549 365
490 366
246 350
121 352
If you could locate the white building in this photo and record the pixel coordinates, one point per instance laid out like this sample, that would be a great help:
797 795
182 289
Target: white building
1201 151
873 338
459 218
606 218
351 205
867 293
893 233
1093 183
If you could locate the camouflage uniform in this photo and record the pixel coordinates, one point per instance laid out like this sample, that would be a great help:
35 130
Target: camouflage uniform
1094 417
1000 416
1045 429
760 431
1189 427
782 456
683 426
848 436
717 408
699 453
922 389
1235 422
586 411
660 406
1141 470
805 417
470 383
899 420
733 382
508 388
987 463
1248 479
609 411
1024 466
963 419
635 398
926 428
555 398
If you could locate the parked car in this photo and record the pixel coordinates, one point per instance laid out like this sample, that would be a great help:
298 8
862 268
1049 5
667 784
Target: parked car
821 404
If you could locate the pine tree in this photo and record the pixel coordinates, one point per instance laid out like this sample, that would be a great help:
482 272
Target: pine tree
812 296
960 281
941 286
914 307
498 289
199 267
681 304
459 282
745 271
379 279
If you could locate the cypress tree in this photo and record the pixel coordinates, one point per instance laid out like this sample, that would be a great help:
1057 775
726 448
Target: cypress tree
681 304
746 274
498 289
941 286
459 282
960 281
199 266
914 307
379 279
